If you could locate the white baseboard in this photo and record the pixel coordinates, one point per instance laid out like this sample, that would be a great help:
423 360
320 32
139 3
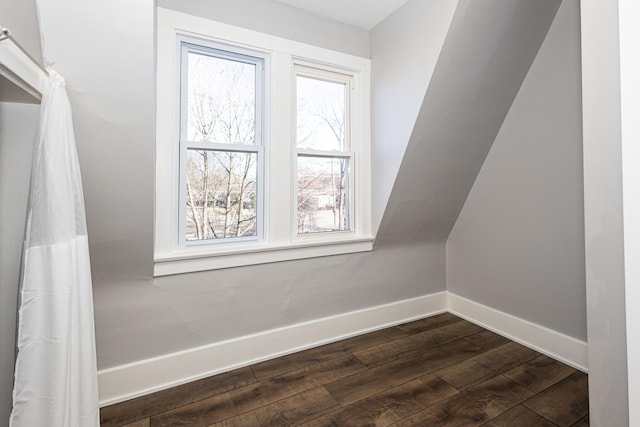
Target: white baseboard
147 376
561 347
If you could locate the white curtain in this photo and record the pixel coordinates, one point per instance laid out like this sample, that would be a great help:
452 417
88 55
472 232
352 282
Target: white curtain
55 378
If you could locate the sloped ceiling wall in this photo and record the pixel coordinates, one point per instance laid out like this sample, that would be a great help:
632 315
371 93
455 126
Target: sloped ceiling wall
486 55
404 51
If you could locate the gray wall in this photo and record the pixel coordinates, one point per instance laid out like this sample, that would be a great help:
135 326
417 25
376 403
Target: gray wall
404 50
18 124
107 58
110 81
138 317
603 209
518 244
486 55
21 18
17 132
280 20
138 320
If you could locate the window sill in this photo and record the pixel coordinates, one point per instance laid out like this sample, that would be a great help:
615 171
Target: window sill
192 261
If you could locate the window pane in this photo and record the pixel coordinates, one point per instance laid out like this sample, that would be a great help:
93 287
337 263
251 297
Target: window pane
323 194
221 194
221 100
321 114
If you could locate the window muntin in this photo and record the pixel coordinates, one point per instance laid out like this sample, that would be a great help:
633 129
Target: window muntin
324 198
220 146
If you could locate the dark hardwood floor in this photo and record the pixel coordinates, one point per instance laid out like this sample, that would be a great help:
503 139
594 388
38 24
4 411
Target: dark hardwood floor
438 371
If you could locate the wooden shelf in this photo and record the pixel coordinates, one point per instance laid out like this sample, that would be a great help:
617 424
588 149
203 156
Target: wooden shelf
21 78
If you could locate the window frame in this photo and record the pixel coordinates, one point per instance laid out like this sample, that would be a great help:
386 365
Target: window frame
305 69
279 240
216 50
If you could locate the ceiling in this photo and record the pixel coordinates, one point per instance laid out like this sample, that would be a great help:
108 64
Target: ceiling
360 13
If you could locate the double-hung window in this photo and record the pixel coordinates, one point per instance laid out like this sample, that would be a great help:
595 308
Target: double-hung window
221 146
262 148
323 154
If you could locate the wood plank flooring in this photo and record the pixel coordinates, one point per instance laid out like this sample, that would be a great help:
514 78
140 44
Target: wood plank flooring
438 371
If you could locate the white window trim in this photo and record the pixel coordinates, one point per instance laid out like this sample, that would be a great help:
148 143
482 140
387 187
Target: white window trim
279 243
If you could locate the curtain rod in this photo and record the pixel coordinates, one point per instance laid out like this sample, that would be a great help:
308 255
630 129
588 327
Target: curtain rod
5 34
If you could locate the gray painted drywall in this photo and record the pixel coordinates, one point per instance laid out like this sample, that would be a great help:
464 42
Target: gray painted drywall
21 18
404 50
486 55
603 212
113 107
280 20
518 244
107 58
110 83
18 123
139 320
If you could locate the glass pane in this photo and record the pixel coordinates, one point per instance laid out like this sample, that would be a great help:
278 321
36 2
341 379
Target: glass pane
221 194
221 100
321 117
323 194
